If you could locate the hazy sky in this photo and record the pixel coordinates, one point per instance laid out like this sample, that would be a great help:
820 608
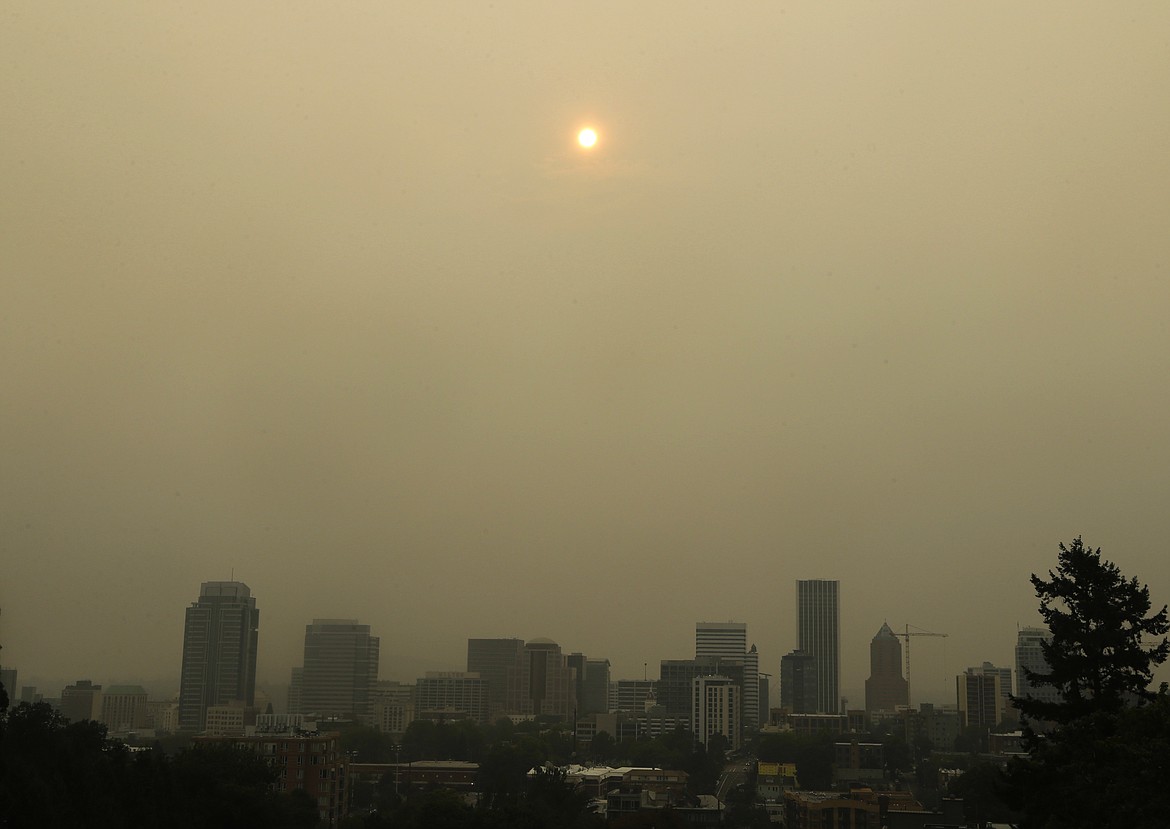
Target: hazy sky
327 295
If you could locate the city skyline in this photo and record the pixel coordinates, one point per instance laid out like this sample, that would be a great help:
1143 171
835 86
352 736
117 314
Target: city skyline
332 297
495 659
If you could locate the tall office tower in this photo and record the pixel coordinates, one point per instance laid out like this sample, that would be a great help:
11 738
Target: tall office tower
727 641
676 683
296 684
886 688
441 693
979 699
493 659
799 682
8 680
542 683
818 625
219 651
81 701
1030 656
715 710
595 696
1006 710
340 671
751 690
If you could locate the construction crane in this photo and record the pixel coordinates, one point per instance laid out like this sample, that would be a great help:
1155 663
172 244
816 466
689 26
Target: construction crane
906 634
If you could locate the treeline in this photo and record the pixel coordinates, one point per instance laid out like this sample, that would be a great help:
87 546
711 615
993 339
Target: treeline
54 773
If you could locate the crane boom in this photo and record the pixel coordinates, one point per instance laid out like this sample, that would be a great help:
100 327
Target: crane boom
906 634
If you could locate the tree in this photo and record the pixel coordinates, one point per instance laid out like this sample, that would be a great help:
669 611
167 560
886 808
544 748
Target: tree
1098 659
1102 764
601 747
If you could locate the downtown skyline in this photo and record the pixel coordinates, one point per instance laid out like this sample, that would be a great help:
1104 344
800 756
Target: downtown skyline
938 689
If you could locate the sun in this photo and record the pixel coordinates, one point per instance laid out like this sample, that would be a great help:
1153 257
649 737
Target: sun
587 137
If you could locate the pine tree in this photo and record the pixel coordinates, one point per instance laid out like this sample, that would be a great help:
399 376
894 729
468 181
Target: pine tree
1104 645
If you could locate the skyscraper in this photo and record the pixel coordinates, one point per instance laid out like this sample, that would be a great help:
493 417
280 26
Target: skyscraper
493 659
715 710
220 635
818 624
886 688
542 683
1030 656
596 687
340 671
726 642
798 682
978 697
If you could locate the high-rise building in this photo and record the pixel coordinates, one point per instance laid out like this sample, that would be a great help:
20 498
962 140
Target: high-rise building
340 670
799 682
596 696
818 625
727 642
1006 710
676 683
715 710
542 684
81 701
493 660
220 636
754 706
720 639
8 680
632 695
886 689
1030 657
452 692
979 699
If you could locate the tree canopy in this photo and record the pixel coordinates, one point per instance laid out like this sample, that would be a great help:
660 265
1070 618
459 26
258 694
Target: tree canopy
1103 649
1103 762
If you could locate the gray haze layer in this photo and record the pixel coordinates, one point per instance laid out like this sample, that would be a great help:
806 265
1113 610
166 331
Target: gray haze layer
327 296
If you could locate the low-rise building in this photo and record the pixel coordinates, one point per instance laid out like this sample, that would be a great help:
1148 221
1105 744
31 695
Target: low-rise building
860 808
773 779
310 761
124 708
857 762
421 774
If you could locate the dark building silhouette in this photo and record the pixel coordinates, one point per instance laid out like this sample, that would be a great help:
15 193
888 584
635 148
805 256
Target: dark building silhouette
340 671
818 626
886 689
220 636
493 659
799 686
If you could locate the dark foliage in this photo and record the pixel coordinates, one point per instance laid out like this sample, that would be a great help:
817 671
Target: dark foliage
54 773
1104 762
1098 658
